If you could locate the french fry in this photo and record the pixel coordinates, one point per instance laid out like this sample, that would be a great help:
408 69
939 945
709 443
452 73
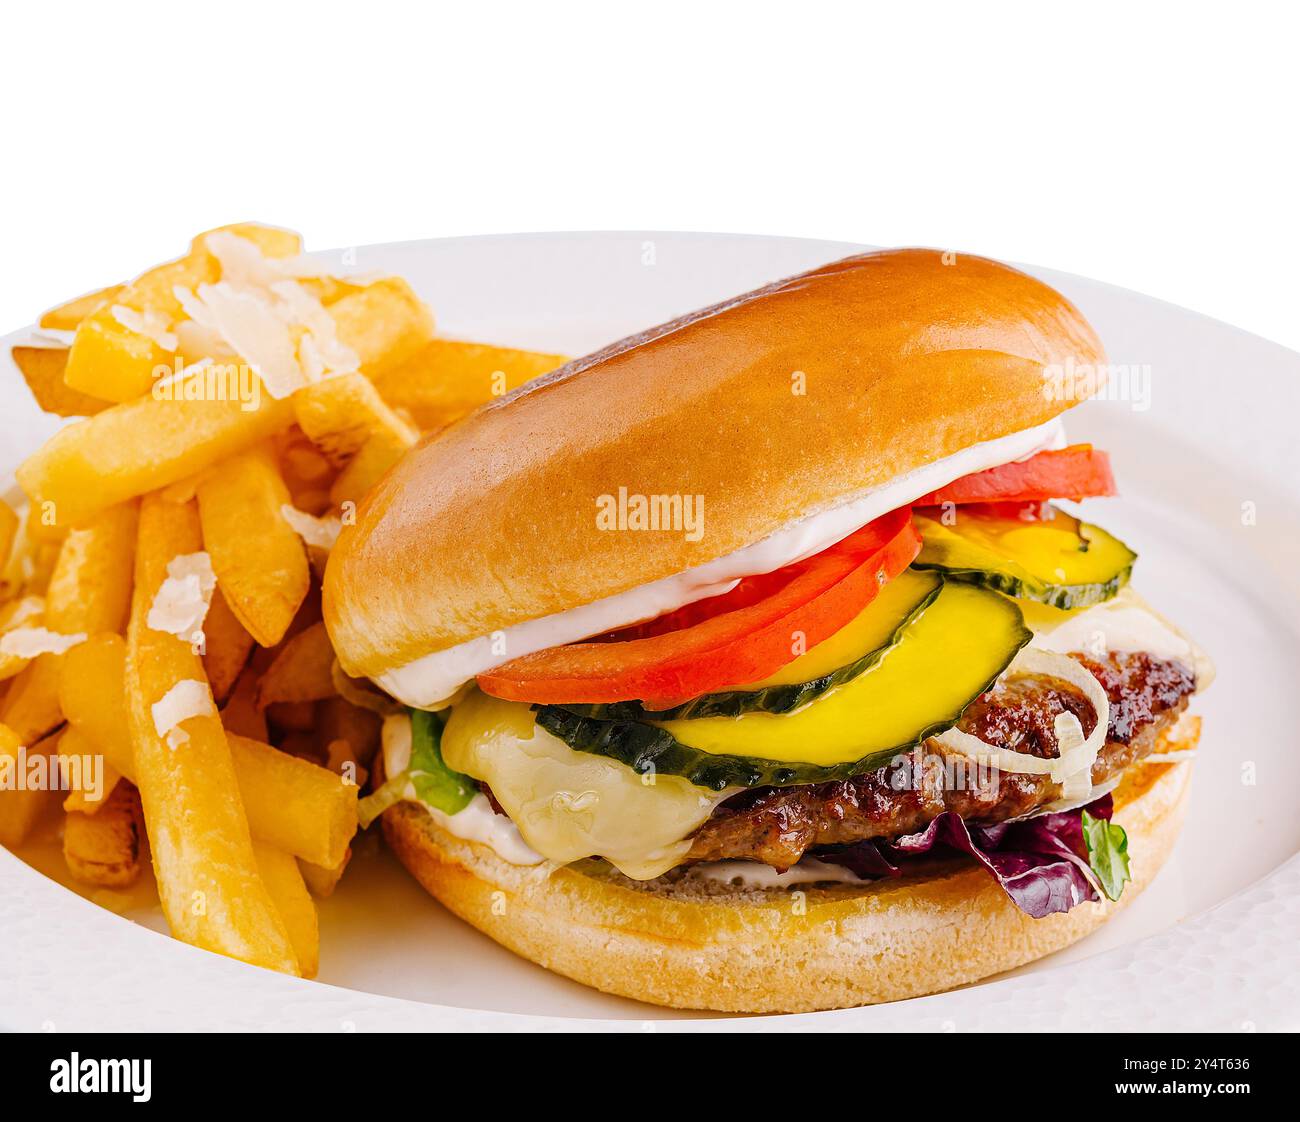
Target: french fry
27 612
260 562
9 522
77 753
88 592
291 805
145 445
351 423
66 316
299 807
240 714
301 670
208 881
448 378
226 647
337 719
271 240
385 323
322 880
42 369
30 795
364 470
104 849
109 361
92 698
340 415
288 890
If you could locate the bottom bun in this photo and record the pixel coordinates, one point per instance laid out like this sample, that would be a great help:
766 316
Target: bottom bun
696 944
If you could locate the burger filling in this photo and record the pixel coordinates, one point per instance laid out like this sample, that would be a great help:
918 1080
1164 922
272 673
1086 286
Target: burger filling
968 677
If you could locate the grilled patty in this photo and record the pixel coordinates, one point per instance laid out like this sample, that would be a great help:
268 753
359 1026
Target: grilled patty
777 825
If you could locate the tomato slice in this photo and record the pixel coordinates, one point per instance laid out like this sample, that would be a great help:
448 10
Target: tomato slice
1076 472
750 634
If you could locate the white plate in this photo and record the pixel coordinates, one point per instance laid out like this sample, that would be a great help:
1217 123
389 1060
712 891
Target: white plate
1214 943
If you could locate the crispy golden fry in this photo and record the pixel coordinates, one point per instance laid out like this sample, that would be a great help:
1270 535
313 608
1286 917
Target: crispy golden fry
448 378
66 316
208 881
288 890
88 593
271 240
384 322
364 470
93 700
111 362
322 880
42 369
299 807
351 423
104 848
146 444
294 716
260 562
240 714
27 612
292 805
33 790
337 719
90 588
77 754
341 415
226 647
9 522
301 670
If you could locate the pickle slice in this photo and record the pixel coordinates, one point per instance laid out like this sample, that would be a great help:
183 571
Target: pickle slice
1056 560
948 653
853 649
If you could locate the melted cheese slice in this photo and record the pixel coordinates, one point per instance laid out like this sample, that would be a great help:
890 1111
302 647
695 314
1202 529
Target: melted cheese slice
569 805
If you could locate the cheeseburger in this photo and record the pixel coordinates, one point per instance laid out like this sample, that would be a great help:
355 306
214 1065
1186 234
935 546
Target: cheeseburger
754 662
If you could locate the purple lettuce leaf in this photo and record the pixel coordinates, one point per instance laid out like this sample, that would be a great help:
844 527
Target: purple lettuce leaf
1041 863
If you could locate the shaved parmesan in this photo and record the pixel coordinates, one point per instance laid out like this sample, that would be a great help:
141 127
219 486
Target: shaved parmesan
248 323
150 324
23 611
28 642
188 698
181 604
320 532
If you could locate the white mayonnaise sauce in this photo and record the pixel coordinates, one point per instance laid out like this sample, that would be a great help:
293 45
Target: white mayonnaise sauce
754 874
431 680
476 822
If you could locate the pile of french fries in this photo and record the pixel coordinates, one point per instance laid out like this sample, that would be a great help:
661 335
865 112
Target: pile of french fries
163 662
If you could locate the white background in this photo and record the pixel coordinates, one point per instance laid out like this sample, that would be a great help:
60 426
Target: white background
1153 148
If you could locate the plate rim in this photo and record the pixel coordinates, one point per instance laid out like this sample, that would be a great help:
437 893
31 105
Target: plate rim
229 989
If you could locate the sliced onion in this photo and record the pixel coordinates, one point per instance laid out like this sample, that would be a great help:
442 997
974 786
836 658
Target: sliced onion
1073 767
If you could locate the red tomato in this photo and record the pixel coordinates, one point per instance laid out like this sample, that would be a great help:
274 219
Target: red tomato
1076 472
742 636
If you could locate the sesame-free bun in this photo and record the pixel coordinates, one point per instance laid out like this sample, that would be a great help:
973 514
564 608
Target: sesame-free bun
696 944
776 405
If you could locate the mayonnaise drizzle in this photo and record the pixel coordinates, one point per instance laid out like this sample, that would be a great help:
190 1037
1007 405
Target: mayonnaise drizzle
429 681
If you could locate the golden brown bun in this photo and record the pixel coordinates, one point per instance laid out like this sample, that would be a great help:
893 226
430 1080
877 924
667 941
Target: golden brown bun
698 945
905 360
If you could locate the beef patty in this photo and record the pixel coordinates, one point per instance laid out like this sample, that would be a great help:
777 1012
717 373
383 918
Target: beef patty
777 825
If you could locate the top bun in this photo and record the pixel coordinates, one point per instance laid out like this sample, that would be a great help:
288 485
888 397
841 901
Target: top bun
775 405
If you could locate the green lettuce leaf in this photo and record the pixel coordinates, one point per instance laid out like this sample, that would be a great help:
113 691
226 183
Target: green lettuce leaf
434 783
1107 846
